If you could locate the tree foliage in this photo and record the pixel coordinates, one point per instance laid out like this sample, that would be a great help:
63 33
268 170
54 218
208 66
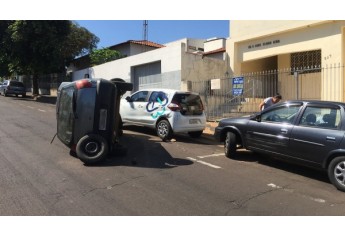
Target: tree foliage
41 47
4 48
100 56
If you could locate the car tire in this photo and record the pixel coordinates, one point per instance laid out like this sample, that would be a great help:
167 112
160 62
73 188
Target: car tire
336 172
164 130
122 86
92 148
195 134
230 145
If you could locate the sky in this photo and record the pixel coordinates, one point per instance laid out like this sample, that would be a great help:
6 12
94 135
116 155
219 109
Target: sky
112 32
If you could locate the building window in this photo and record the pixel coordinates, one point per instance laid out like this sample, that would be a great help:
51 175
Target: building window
306 62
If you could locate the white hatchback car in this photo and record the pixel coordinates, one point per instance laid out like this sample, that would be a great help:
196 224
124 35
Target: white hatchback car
165 110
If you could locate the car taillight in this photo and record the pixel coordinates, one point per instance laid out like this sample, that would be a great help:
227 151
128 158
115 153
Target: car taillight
201 106
174 107
83 83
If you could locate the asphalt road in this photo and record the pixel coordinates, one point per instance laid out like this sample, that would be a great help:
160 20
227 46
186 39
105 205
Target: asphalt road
179 178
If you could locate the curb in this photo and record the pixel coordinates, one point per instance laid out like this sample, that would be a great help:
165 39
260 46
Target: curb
210 127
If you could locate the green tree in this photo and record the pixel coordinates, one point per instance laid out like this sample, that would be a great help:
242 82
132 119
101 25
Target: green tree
43 47
4 48
100 56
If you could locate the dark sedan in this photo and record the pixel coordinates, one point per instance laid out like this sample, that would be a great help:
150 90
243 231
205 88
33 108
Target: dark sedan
12 87
308 132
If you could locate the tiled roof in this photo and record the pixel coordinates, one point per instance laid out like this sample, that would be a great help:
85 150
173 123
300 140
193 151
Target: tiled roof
214 51
147 43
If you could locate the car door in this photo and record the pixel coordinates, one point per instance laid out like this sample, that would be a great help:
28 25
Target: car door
314 141
133 108
156 106
271 132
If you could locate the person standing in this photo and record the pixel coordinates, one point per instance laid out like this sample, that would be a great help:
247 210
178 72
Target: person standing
267 102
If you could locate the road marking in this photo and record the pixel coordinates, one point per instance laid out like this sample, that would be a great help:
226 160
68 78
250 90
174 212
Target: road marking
204 163
41 110
212 155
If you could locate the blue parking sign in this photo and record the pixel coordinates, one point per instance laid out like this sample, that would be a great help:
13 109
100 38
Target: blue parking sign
237 86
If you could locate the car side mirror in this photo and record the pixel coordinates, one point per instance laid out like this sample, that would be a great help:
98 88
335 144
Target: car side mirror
128 98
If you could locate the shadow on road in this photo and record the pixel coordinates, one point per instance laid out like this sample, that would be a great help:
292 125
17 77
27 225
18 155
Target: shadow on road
205 139
142 152
274 162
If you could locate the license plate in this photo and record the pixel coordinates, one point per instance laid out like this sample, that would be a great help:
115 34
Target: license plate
193 121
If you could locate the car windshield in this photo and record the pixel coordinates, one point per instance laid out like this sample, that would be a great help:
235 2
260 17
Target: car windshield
16 84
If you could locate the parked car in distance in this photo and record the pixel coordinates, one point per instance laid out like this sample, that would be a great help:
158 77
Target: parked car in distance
13 87
165 110
310 133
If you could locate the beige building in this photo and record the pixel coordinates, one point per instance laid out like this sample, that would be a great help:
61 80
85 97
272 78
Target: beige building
305 57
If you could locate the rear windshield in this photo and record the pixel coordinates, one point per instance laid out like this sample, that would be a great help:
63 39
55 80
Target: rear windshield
16 84
190 104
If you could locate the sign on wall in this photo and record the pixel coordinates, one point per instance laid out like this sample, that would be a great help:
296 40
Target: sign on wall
215 84
237 86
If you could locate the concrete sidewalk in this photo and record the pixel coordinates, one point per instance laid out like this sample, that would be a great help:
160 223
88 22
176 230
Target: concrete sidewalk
42 98
210 127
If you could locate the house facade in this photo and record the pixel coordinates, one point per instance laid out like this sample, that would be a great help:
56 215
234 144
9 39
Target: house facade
305 56
174 65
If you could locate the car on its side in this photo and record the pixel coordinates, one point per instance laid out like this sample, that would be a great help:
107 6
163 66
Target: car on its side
167 111
310 133
13 87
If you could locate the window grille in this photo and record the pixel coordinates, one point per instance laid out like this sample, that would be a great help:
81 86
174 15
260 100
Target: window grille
306 62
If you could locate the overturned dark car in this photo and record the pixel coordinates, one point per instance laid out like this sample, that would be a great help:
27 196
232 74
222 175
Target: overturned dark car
310 133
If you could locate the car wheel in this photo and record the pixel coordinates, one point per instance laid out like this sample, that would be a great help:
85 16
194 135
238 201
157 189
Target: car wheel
195 134
164 130
92 148
230 145
336 172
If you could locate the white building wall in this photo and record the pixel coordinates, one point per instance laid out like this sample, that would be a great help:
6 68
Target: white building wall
170 58
177 66
214 44
192 44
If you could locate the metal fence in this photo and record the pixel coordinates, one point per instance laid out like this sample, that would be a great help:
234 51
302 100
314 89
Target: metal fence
223 97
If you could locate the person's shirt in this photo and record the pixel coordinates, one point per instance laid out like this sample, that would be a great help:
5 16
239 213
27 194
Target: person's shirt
267 103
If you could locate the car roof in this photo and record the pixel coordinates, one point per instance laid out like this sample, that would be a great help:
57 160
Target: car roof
321 102
166 90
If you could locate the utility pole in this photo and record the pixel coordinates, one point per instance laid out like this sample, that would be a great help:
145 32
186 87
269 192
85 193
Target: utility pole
145 34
